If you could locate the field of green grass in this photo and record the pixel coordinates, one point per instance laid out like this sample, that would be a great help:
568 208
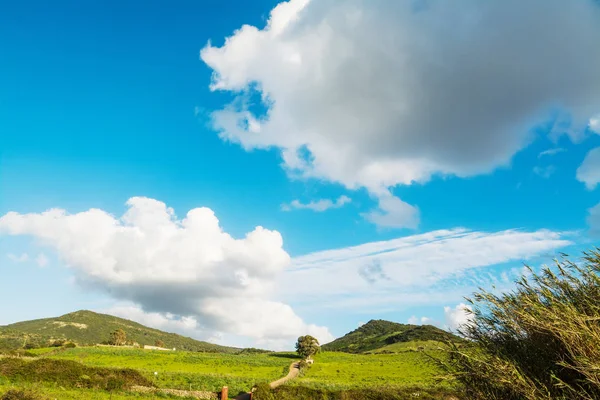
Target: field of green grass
240 372
187 370
335 371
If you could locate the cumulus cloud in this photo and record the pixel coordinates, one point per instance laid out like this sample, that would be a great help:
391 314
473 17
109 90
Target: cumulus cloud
24 257
589 171
457 317
186 267
317 205
429 268
380 93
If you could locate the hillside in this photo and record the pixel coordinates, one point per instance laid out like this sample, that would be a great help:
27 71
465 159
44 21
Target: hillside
377 334
89 328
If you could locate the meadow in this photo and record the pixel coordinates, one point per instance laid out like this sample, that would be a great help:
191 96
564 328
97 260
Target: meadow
240 372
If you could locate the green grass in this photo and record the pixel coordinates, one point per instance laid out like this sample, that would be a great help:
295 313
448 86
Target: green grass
188 370
332 371
47 391
336 371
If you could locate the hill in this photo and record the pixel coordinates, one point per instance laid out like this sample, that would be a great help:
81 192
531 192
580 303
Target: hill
90 328
377 334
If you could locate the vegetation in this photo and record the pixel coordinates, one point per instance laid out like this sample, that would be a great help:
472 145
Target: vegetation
159 343
14 394
337 371
307 346
70 374
263 392
88 328
377 334
118 337
540 341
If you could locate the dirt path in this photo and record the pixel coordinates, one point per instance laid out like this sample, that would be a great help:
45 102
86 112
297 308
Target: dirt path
293 373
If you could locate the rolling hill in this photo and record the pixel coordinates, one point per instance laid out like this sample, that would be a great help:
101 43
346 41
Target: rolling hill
378 334
90 328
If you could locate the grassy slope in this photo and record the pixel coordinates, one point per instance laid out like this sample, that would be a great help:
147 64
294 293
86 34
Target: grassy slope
377 334
95 328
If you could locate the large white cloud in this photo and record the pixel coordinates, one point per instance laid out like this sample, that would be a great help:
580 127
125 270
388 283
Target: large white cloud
379 93
186 267
589 170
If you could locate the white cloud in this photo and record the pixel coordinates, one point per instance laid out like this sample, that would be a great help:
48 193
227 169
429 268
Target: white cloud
317 205
380 93
593 219
24 257
430 268
186 267
422 321
595 124
41 260
589 171
551 152
458 316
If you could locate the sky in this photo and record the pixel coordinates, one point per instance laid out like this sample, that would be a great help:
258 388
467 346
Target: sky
249 172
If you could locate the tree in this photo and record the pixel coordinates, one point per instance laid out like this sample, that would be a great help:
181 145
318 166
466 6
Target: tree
306 346
159 343
118 337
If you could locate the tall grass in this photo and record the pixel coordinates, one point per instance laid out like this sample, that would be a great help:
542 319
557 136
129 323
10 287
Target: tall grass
540 341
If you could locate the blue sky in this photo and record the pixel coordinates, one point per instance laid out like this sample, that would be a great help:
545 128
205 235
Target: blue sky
109 101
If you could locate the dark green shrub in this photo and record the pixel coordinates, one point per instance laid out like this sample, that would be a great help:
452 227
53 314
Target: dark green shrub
69 345
21 395
70 374
541 341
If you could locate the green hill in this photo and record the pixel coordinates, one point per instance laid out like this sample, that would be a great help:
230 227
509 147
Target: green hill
377 334
90 328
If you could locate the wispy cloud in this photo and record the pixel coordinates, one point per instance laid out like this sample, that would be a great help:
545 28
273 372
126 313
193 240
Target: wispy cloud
551 152
545 172
439 267
317 205
24 257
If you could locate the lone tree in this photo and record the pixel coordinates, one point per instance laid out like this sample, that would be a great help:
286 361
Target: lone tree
306 346
118 337
159 343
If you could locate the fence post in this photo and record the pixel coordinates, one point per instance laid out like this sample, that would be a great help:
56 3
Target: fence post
224 393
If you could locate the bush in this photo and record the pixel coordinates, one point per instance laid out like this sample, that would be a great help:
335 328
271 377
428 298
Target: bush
70 374
21 395
58 343
69 345
286 392
540 341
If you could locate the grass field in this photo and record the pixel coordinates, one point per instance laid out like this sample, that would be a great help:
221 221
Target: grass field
212 371
347 371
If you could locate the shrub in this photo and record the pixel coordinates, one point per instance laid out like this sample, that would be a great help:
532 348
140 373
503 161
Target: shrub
537 342
21 395
70 374
58 343
69 345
